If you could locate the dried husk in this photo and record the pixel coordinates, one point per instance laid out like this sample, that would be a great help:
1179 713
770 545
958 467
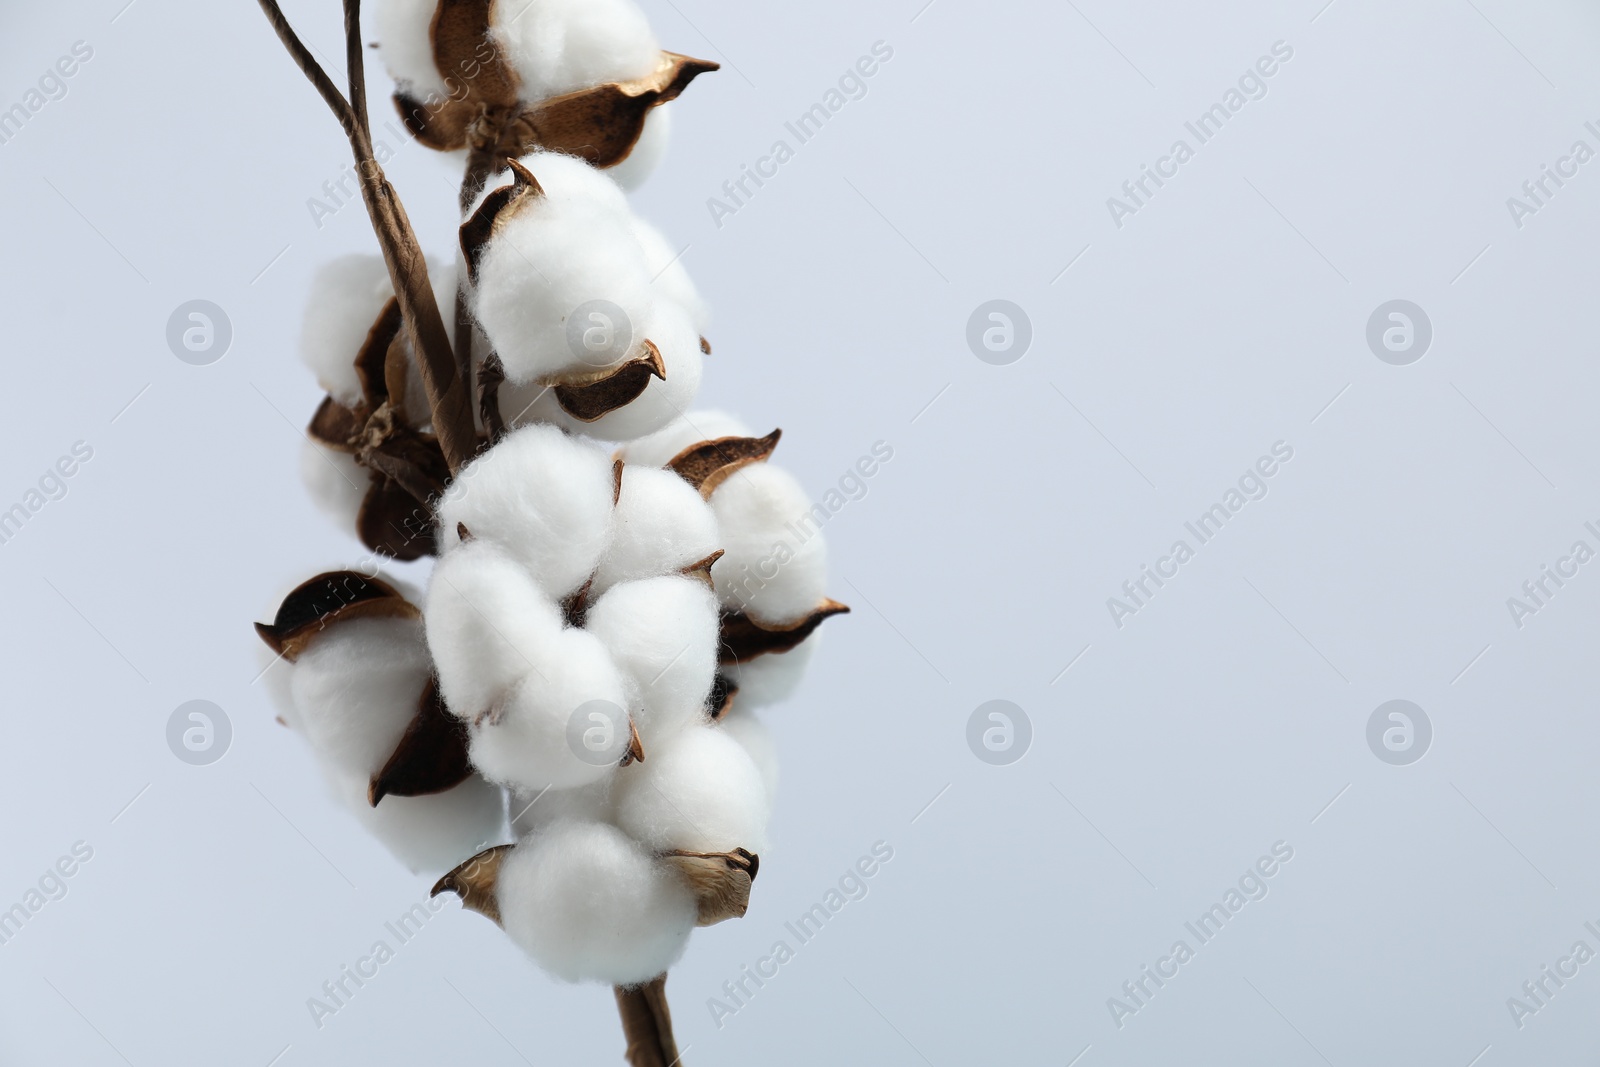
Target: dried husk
744 639
592 397
720 702
721 881
710 463
330 598
482 110
431 756
475 882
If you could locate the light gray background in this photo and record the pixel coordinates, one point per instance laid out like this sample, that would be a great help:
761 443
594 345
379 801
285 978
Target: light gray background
1225 316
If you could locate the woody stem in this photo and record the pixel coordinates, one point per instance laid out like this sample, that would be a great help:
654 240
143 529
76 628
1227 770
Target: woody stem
647 1024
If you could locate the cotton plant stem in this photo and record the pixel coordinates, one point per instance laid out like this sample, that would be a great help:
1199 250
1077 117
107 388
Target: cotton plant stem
408 268
647 1024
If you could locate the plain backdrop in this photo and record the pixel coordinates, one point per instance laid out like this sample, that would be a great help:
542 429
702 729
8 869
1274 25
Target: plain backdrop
1168 754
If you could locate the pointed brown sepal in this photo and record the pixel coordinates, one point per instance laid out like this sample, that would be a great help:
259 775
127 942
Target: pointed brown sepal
393 523
702 569
743 639
372 360
337 596
601 124
475 882
721 700
462 533
335 425
635 753
705 346
710 463
721 881
431 757
500 205
591 400
575 608
617 466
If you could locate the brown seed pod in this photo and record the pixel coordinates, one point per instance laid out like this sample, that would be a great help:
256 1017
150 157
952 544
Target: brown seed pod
600 124
594 396
721 700
710 463
327 599
721 881
635 753
475 882
392 522
744 639
431 756
497 208
702 569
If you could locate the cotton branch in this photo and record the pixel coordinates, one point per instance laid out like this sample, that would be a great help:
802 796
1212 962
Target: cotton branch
408 269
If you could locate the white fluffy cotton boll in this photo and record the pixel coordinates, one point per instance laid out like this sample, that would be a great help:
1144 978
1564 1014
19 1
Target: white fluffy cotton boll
541 266
700 792
759 511
672 279
590 905
659 448
346 296
558 46
660 525
542 496
647 151
771 678
336 482
430 834
357 687
673 333
754 737
663 633
488 624
533 813
528 748
405 41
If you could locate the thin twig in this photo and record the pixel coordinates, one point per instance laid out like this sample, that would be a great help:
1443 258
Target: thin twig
313 70
408 268
355 60
647 1024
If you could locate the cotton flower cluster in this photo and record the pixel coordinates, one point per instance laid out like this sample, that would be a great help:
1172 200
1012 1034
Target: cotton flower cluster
618 581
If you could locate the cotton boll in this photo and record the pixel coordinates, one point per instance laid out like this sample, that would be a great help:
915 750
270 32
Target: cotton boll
336 482
533 813
590 905
659 526
488 626
529 746
558 46
430 834
647 151
406 45
701 792
672 280
672 331
663 633
659 448
771 678
542 265
770 571
754 737
542 496
358 686
347 295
